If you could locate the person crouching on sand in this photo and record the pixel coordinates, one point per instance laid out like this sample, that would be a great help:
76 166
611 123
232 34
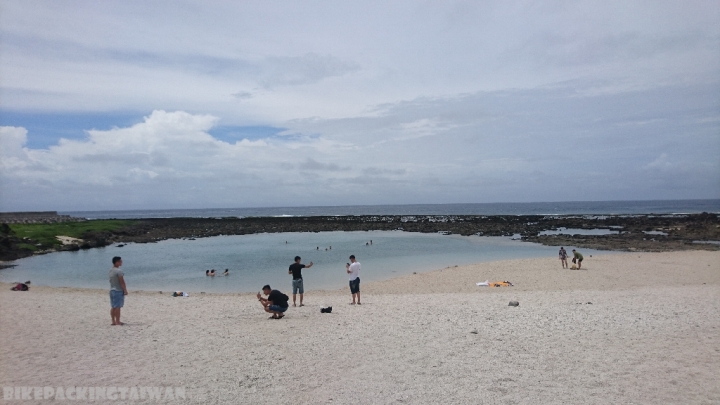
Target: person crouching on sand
276 303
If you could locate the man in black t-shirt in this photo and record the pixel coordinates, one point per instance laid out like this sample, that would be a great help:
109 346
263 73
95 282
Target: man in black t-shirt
297 282
276 303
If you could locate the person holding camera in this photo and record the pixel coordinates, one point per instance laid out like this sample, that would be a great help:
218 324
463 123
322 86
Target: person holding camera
353 271
276 303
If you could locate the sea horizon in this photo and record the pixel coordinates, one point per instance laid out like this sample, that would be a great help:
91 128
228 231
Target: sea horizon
619 207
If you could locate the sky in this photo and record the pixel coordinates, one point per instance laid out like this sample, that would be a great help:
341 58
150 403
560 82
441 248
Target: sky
118 105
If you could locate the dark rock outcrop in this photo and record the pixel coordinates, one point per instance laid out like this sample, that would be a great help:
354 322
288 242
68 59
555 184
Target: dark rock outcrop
668 232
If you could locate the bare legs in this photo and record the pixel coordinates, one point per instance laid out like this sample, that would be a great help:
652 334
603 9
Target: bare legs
115 315
358 298
301 300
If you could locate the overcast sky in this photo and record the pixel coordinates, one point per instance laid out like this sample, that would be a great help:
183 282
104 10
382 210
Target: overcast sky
189 104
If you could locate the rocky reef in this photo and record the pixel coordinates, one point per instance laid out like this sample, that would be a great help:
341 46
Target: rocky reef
639 232
622 232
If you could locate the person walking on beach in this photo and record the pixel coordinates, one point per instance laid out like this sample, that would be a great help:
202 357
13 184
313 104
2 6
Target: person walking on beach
118 290
577 257
297 282
563 257
276 303
353 271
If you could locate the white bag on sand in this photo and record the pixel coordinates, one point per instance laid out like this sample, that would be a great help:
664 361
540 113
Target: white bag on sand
485 284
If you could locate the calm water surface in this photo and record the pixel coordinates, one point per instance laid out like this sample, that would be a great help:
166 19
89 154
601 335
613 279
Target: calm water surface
255 260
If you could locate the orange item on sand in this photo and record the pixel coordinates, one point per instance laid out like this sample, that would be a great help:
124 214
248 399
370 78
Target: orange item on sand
500 284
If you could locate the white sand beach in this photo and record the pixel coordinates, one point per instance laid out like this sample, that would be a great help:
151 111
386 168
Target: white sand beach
630 328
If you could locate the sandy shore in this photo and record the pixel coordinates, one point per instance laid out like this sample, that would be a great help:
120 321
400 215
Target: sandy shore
651 335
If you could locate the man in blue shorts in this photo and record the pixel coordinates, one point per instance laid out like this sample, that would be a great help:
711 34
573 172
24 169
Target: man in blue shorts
276 303
118 290
297 283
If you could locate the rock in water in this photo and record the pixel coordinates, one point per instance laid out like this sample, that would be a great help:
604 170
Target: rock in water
513 304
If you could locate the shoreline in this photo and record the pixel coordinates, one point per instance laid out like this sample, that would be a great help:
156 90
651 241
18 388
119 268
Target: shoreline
629 329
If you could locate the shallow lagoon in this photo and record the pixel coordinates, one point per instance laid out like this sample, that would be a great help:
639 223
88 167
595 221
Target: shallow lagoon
255 260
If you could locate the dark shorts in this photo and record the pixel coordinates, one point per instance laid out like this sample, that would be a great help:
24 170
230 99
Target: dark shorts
355 286
117 299
580 260
277 308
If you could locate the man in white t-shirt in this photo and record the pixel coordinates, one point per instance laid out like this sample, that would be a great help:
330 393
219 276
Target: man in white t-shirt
353 271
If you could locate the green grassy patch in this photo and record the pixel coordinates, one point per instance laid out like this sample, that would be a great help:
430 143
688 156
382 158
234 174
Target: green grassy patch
27 246
46 233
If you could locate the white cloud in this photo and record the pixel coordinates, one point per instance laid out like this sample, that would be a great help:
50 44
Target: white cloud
384 102
252 62
661 163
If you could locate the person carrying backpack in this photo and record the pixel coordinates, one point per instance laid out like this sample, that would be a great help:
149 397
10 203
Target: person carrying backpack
276 302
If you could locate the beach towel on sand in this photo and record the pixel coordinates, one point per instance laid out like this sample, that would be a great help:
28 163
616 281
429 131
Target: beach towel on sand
495 284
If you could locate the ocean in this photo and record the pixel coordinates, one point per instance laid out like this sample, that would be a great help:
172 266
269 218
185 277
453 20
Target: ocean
537 208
